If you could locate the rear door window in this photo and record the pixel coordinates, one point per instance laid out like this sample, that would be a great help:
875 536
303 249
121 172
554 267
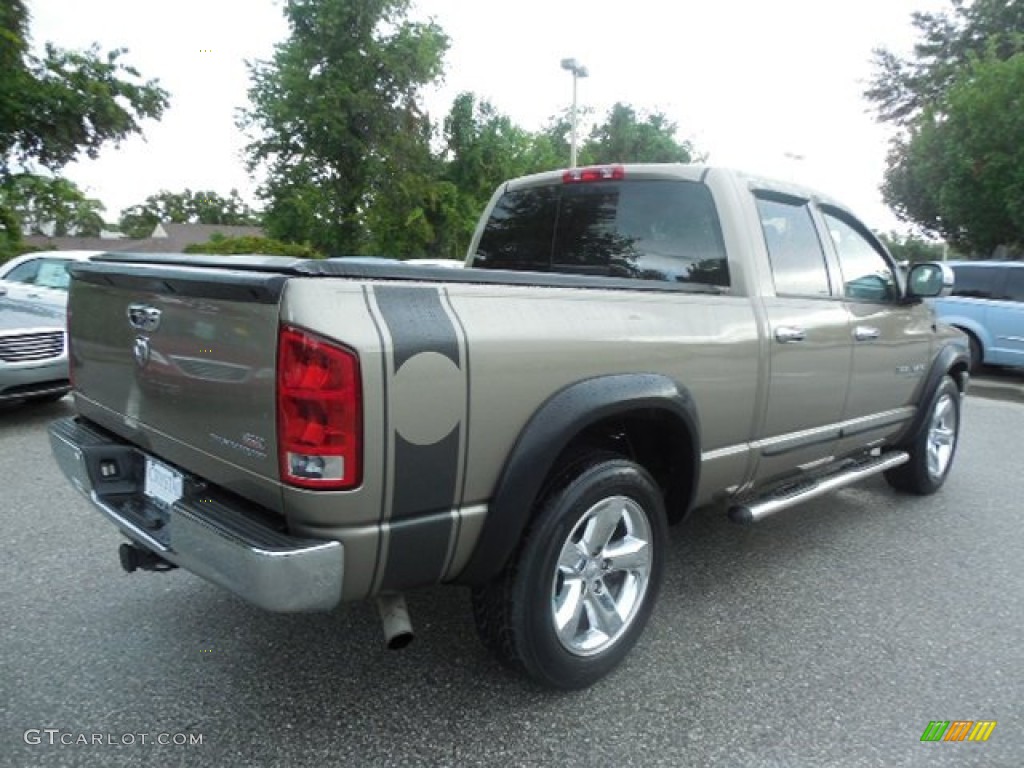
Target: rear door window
975 282
25 272
794 250
646 229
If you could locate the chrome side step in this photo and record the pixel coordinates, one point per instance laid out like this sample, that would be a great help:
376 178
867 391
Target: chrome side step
758 508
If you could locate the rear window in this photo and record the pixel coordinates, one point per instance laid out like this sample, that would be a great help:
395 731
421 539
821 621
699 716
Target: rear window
648 230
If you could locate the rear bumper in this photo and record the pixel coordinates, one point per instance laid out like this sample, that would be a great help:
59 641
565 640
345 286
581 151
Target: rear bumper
213 535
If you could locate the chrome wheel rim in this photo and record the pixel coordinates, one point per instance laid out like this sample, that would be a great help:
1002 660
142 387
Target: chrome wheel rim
602 575
941 436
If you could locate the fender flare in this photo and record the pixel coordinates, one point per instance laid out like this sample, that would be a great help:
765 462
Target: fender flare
549 431
950 356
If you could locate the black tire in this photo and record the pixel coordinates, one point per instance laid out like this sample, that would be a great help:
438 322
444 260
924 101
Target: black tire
977 356
933 449
612 506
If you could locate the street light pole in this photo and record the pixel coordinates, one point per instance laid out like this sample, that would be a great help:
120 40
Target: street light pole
578 71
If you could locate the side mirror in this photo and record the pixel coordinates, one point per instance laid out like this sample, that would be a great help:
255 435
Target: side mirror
930 280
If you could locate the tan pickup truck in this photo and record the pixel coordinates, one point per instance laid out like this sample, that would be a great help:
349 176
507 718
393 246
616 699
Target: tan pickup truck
626 343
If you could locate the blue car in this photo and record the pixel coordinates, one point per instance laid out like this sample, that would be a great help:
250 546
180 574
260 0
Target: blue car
988 305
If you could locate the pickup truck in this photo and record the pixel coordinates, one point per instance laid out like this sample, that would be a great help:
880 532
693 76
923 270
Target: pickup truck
625 344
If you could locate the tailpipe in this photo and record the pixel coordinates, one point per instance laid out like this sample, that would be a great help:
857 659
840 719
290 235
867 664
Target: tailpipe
394 615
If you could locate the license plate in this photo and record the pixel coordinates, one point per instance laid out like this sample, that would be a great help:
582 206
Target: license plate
162 483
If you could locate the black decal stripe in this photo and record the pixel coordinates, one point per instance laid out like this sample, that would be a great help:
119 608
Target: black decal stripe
417 322
417 548
386 430
423 477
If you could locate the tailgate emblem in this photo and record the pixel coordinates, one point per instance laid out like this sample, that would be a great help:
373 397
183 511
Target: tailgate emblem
143 317
141 351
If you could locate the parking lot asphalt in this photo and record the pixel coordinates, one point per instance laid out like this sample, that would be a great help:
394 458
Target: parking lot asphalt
828 635
999 384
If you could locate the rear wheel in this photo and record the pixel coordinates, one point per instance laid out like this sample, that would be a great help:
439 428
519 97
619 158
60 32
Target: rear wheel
577 594
932 450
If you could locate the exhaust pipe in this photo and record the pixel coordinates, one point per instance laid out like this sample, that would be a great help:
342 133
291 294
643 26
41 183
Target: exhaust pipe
394 615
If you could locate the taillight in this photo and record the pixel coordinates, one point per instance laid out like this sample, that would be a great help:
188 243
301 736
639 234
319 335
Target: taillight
319 412
594 173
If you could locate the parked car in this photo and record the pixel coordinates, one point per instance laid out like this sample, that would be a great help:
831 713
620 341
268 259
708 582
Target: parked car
449 263
33 352
40 277
988 305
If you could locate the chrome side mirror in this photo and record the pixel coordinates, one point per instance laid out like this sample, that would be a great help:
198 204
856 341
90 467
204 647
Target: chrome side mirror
930 280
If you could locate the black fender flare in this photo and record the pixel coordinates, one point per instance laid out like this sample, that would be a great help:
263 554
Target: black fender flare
549 431
950 356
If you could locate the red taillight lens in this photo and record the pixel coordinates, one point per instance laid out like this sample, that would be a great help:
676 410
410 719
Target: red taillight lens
319 412
594 173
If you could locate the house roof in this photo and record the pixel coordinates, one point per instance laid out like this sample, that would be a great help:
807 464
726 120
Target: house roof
166 238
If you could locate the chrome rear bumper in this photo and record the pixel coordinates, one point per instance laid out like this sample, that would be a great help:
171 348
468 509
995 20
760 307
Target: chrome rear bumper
214 536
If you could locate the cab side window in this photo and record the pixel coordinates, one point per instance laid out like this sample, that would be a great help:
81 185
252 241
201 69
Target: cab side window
867 275
794 250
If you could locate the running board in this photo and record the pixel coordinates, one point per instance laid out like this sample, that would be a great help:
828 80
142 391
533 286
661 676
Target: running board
759 508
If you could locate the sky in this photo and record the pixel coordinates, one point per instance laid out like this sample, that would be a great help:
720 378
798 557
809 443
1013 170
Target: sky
769 87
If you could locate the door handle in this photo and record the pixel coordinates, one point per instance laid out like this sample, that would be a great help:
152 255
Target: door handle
866 333
788 334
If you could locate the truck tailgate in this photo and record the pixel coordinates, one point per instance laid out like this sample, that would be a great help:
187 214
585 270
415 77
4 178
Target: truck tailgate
180 361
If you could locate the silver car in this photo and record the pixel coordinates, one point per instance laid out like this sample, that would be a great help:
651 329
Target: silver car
40 277
33 351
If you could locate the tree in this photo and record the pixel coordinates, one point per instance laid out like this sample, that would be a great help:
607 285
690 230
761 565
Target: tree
188 207
902 88
55 107
335 117
911 248
45 205
245 245
626 137
482 149
954 165
960 170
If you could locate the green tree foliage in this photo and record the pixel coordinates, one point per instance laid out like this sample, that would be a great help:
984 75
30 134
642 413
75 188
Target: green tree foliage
188 207
626 137
65 102
960 169
59 105
481 148
954 168
902 88
335 119
261 245
912 248
45 205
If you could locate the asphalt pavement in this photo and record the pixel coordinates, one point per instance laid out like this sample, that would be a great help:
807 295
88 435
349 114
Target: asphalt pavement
828 635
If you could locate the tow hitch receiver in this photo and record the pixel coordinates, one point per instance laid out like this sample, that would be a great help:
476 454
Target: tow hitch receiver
136 558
